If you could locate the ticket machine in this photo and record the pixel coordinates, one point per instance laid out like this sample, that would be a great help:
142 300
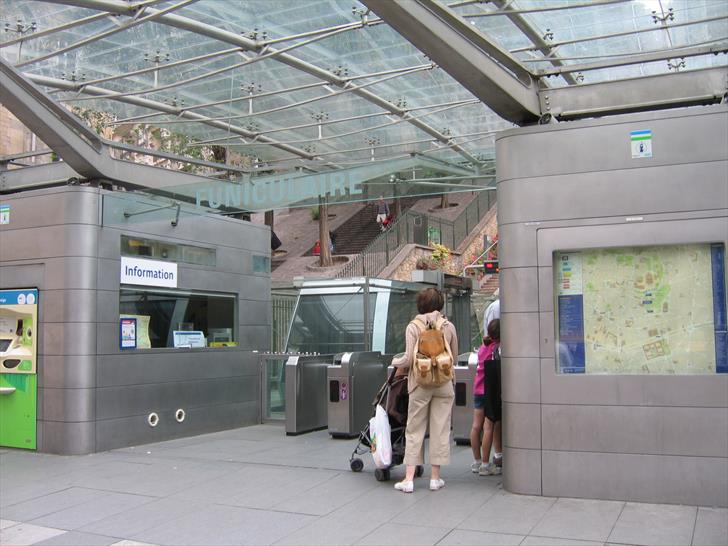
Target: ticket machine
18 360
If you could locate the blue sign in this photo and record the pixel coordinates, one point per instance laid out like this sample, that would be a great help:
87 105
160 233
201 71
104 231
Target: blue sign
572 355
19 297
717 258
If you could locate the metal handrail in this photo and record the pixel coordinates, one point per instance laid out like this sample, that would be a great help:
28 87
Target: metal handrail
475 261
375 256
362 259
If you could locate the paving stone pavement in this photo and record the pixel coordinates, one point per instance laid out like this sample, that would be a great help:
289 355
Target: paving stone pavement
255 485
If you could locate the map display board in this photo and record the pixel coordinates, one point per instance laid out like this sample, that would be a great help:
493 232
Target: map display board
642 310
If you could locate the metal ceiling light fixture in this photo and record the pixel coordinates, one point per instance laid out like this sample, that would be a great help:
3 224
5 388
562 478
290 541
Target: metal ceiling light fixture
320 117
156 59
372 142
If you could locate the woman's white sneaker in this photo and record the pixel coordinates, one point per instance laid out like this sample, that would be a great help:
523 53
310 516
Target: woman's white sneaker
405 486
436 484
489 469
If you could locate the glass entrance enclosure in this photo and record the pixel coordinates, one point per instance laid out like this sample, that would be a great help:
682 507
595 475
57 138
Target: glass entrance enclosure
366 314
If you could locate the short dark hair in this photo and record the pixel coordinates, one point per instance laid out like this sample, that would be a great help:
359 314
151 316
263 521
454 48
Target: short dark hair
428 300
493 331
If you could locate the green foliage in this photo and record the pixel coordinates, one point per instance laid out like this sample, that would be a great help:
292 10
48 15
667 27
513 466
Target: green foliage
440 254
315 213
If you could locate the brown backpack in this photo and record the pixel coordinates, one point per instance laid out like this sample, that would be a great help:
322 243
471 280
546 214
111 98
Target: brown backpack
433 361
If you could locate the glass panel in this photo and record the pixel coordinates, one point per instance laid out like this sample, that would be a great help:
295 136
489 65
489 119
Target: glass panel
641 310
162 250
199 70
161 313
331 323
261 264
274 381
402 309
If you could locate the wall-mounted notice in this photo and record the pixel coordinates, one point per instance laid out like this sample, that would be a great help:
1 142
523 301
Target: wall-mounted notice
127 333
4 214
641 143
142 330
148 272
569 291
642 310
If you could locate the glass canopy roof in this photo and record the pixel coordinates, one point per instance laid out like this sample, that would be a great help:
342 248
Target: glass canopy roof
317 84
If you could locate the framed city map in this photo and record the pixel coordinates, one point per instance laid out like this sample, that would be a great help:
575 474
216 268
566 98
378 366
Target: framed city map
641 310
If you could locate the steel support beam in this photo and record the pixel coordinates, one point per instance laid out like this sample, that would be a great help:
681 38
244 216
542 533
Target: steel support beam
536 39
479 65
84 153
38 176
638 58
78 145
689 88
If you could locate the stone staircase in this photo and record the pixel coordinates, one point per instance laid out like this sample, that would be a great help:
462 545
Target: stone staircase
361 229
489 284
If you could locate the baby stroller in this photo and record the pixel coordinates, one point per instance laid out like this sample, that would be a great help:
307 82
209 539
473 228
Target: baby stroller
393 397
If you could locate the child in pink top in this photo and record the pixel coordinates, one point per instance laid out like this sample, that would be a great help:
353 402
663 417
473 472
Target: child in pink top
487 351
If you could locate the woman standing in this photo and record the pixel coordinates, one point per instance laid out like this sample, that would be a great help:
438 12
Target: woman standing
433 404
487 424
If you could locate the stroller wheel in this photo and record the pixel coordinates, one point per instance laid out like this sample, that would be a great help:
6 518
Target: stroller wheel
356 465
419 471
381 475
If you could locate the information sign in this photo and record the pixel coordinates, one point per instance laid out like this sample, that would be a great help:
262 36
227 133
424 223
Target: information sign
148 272
641 142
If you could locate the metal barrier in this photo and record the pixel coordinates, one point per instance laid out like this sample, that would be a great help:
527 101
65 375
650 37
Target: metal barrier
273 385
283 304
462 411
354 380
305 386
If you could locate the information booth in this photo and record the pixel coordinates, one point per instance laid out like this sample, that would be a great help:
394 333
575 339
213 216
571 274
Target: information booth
149 314
612 249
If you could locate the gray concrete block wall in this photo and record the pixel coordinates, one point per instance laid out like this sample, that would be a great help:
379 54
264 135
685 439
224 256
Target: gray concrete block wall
92 396
217 388
51 244
655 438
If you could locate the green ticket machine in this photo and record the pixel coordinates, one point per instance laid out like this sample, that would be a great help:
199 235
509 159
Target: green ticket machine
18 359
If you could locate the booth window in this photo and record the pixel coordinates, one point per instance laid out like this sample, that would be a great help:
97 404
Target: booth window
261 264
172 318
163 250
641 310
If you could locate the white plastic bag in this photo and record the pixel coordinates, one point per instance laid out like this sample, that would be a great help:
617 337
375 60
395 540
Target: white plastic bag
380 438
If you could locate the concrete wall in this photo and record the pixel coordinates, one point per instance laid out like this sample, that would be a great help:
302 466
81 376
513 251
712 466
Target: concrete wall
92 396
575 185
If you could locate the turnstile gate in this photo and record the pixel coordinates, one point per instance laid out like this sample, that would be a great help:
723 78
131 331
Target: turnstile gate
353 381
462 411
305 385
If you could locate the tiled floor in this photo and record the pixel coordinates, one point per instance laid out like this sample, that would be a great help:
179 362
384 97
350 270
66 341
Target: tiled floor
257 486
